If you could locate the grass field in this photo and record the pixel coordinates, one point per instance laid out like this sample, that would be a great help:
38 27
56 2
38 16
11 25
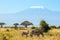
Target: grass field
53 34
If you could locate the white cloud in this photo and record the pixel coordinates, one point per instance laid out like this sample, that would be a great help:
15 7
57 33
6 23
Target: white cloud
37 7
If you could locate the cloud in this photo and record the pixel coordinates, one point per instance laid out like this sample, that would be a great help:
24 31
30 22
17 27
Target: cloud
37 7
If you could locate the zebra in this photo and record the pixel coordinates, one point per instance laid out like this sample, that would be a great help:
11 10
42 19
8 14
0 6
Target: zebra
36 32
25 33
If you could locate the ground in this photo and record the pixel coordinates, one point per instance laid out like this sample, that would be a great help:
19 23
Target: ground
12 34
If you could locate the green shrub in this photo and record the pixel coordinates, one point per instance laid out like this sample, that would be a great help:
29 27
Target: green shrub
44 26
53 26
33 27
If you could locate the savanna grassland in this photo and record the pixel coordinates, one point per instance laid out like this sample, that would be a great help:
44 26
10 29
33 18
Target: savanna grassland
12 34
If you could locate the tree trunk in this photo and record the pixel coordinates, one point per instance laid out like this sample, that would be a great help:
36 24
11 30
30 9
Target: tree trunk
16 27
26 26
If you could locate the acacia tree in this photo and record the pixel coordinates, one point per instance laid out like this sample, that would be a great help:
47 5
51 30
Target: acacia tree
44 26
1 24
26 23
16 24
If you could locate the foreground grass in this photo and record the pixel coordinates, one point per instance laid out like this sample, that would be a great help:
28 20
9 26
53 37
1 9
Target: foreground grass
12 34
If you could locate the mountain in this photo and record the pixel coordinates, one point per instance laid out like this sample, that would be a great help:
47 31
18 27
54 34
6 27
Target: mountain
38 12
33 15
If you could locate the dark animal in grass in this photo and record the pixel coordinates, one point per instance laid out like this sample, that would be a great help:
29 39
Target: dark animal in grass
4 38
36 32
25 33
7 30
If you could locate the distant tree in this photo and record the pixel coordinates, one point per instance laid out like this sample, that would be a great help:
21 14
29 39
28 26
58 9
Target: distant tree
1 24
26 23
53 26
16 24
44 26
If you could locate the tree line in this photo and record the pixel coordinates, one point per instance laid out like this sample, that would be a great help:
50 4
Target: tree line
43 25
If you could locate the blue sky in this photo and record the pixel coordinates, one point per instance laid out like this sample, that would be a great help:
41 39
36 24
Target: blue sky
15 6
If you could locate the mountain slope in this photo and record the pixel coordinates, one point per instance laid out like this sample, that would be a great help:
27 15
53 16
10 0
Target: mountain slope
33 15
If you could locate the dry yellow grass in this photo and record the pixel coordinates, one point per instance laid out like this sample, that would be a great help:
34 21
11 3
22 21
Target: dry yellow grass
53 34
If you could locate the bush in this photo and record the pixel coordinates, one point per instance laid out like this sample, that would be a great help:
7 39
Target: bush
53 26
33 27
44 26
7 30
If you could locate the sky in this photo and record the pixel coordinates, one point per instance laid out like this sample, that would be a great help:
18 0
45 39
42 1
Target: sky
15 6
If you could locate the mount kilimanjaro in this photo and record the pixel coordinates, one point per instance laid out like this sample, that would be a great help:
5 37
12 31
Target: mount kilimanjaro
33 15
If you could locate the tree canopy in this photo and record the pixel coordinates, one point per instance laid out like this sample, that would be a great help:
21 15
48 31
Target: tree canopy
26 23
2 23
44 26
15 25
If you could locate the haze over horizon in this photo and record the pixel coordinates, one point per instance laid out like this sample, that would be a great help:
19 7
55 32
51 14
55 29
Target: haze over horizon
12 11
